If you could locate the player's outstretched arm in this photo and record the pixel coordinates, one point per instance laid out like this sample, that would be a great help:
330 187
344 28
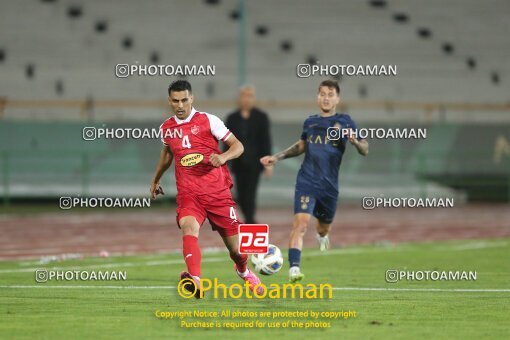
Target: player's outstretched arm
235 149
294 150
360 145
165 160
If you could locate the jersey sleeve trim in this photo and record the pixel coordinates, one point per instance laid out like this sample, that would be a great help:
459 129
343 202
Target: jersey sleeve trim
227 136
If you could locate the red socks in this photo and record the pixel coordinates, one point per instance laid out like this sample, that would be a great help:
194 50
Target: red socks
240 261
192 254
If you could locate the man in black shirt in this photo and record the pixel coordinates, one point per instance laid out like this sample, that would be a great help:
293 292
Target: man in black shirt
251 126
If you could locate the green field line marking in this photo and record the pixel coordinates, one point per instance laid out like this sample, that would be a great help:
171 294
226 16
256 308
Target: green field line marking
108 265
377 289
461 290
404 247
170 262
86 287
474 245
180 261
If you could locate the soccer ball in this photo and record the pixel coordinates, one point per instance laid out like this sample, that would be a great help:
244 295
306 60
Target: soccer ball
270 263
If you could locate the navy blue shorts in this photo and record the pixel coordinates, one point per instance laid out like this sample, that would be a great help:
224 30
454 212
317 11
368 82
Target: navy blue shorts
322 206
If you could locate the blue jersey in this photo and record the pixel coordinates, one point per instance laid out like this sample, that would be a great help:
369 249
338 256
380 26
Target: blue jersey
323 156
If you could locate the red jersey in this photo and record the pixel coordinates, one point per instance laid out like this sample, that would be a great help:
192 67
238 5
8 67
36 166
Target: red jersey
192 141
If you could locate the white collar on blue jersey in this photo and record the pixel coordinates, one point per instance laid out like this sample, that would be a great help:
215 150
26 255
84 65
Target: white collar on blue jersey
180 121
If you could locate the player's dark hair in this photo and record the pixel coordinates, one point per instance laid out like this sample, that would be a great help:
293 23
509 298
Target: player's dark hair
178 86
329 84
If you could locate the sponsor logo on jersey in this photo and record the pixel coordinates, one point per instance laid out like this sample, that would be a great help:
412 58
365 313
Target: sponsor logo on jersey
195 129
192 159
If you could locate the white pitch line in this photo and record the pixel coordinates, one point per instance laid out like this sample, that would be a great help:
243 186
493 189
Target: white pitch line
378 289
462 290
403 247
164 262
108 265
42 285
478 245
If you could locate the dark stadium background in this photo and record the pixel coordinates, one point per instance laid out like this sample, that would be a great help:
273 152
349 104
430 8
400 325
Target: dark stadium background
57 62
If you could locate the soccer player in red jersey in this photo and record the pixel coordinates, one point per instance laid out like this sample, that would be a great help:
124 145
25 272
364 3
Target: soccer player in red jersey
203 180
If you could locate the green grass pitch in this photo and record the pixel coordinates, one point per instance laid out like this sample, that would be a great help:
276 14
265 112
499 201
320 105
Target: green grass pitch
403 310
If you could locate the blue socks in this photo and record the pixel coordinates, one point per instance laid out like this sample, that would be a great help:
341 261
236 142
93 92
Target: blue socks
294 257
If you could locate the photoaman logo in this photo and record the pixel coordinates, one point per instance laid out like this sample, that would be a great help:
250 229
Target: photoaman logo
253 238
187 289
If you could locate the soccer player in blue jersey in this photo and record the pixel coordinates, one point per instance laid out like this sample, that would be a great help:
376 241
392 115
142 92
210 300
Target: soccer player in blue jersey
324 139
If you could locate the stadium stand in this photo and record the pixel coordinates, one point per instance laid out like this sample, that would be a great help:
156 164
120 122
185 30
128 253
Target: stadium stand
70 68
71 49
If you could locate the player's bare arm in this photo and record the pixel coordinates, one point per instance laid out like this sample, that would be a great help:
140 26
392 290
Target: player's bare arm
165 160
235 149
360 145
294 150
